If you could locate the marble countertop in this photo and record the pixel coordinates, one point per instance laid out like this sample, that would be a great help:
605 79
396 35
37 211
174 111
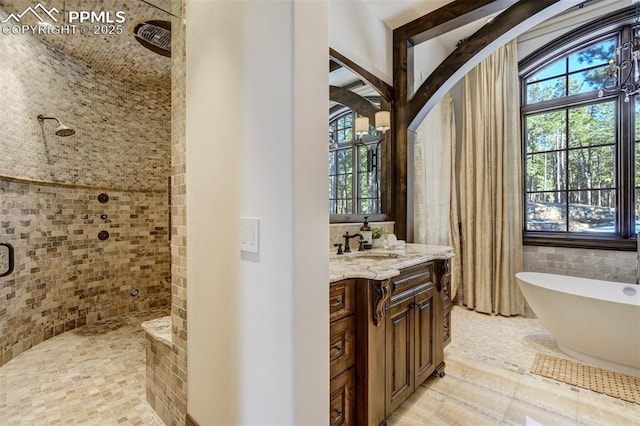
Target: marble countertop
381 264
159 329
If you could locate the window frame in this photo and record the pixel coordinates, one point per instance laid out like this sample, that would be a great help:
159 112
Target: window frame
614 25
387 188
354 146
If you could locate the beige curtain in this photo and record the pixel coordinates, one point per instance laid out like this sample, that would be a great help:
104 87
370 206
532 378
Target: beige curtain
490 189
435 196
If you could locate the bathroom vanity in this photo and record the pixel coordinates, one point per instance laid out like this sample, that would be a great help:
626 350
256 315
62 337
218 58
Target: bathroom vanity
389 324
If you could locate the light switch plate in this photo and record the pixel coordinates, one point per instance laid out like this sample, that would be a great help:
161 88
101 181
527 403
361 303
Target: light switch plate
250 234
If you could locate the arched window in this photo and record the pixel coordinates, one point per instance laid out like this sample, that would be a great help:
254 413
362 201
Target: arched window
581 161
354 167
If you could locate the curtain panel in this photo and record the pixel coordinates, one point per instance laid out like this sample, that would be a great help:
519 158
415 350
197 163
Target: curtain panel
435 210
490 185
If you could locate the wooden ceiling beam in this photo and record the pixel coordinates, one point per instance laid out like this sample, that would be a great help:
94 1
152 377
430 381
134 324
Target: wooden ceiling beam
462 57
449 17
357 103
385 90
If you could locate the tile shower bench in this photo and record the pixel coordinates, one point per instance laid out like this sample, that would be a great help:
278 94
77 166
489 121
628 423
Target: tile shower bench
159 343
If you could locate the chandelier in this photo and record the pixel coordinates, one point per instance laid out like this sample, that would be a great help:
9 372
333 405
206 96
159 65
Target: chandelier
623 75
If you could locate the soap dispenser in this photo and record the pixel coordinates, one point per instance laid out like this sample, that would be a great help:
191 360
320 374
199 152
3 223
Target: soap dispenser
365 231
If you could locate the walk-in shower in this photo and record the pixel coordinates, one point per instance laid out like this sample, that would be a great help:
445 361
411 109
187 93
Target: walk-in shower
62 130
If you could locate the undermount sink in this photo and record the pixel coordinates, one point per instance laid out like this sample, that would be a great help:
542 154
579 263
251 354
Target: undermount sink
368 254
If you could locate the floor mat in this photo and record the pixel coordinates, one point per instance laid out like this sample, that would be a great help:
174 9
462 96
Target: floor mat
617 385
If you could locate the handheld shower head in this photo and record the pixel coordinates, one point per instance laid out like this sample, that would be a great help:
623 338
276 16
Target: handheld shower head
62 130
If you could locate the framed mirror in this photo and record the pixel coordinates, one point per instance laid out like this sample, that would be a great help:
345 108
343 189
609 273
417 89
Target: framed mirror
360 143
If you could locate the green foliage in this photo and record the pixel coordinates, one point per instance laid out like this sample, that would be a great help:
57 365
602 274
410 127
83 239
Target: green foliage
377 232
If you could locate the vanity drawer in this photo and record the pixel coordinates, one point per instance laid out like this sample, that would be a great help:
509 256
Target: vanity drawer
342 399
341 299
342 354
412 277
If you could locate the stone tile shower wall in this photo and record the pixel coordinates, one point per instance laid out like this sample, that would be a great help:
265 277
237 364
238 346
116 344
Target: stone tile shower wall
175 381
65 276
123 129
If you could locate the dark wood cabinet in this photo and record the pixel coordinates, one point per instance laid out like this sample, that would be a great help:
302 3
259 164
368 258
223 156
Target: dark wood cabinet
444 280
342 355
387 337
411 341
425 335
399 342
341 401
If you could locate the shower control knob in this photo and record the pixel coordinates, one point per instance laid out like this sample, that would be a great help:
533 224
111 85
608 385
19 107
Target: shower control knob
103 235
104 216
103 198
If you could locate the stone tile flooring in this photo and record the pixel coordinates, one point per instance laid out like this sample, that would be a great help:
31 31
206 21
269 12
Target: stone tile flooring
488 382
96 376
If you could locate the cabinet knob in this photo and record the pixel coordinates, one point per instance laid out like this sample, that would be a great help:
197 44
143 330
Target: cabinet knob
336 351
337 416
337 303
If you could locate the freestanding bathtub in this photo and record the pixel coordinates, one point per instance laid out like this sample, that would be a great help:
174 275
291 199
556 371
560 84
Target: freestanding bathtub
595 321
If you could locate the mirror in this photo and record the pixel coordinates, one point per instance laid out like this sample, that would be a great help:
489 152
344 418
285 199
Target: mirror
359 140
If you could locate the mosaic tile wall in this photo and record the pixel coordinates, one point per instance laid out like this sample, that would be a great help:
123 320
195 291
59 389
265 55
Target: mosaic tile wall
169 367
122 128
609 265
65 277
160 395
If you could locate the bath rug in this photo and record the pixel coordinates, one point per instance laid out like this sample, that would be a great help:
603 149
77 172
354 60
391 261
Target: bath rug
617 385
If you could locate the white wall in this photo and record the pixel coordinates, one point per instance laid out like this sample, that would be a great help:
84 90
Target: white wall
555 27
426 58
257 90
358 34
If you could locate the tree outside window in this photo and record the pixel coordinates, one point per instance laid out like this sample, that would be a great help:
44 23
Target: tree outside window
573 147
354 168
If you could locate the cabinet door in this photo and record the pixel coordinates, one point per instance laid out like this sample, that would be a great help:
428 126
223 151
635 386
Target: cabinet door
425 332
399 338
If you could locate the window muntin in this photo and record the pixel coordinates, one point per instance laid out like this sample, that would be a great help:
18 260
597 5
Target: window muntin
570 169
353 192
579 72
581 157
637 165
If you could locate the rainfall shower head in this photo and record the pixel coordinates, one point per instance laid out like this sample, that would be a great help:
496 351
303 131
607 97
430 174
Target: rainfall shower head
62 130
155 36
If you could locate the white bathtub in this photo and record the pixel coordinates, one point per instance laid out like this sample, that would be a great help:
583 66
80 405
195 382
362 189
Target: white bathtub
592 320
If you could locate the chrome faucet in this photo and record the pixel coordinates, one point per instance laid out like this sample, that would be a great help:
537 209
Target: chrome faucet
347 237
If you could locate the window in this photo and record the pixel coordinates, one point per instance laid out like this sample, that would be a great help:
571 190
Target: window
581 167
354 168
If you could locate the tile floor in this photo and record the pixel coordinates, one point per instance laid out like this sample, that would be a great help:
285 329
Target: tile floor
96 376
488 382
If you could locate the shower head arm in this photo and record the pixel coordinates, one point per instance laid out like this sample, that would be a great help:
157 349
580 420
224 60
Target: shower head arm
41 118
